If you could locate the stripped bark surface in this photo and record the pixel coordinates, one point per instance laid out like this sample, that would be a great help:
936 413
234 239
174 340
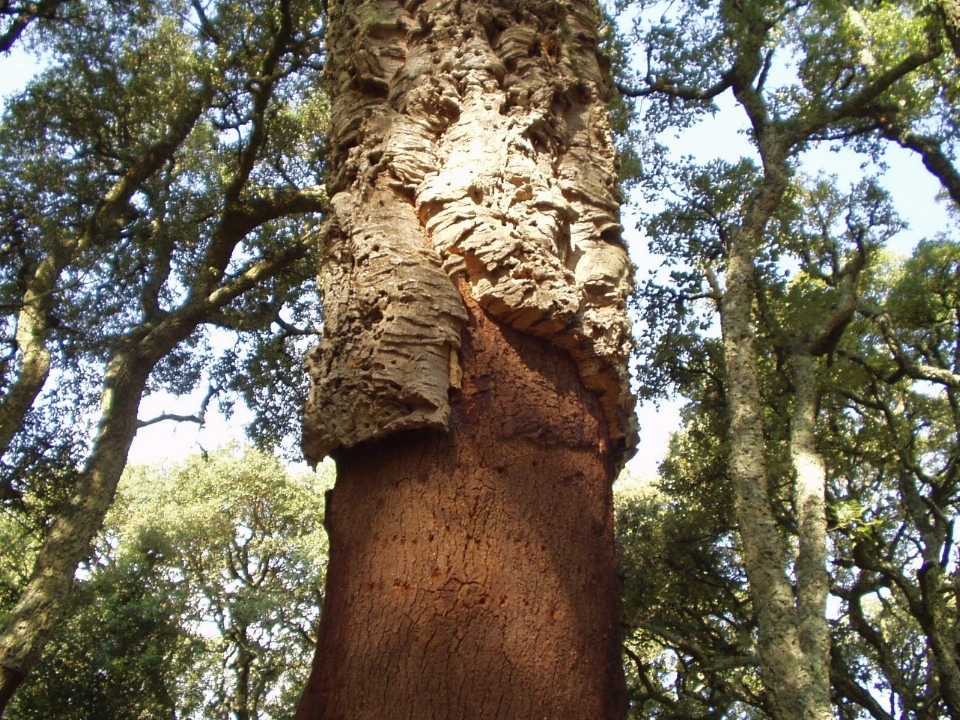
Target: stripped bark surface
472 572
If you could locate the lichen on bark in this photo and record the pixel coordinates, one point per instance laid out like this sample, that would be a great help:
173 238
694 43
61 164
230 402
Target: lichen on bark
471 139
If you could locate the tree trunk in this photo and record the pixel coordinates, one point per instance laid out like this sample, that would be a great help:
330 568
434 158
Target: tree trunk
940 630
471 572
763 549
792 643
474 287
241 666
810 505
43 601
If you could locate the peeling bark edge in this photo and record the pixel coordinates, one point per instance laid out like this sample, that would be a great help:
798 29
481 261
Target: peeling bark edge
470 139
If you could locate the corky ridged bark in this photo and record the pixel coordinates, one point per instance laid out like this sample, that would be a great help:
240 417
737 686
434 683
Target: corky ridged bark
468 138
474 287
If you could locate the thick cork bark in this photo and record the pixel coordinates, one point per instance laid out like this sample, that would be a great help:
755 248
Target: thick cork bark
470 139
471 572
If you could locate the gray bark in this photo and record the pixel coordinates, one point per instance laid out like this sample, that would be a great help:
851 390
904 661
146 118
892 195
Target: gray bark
810 481
786 656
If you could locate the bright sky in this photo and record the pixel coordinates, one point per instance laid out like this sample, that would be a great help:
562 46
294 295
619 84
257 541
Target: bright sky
16 68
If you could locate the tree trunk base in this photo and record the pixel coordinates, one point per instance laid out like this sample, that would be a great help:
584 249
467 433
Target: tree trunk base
472 572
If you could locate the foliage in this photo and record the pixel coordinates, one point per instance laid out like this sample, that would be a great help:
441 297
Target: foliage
119 652
200 601
689 649
159 185
130 203
813 355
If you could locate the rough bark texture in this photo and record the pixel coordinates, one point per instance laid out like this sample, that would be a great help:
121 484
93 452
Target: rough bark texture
471 572
468 138
791 644
764 554
810 503
474 286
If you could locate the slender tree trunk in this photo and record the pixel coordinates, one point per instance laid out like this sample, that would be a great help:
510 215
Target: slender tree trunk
42 602
474 290
32 329
44 598
810 492
763 548
241 670
936 622
794 652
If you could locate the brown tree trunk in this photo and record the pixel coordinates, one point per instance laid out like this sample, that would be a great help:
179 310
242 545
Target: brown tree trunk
472 572
471 381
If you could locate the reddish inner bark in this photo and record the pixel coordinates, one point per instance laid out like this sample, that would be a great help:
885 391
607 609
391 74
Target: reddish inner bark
472 573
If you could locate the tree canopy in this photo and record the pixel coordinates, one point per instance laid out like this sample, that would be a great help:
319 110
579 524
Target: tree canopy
200 599
161 180
157 180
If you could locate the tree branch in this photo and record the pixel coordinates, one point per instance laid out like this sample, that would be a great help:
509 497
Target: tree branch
663 87
198 419
908 367
861 104
931 153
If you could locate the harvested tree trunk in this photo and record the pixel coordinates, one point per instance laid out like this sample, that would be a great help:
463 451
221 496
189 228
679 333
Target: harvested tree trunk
472 572
471 383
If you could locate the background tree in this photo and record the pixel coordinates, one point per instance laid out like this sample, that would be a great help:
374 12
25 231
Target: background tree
734 234
152 179
895 436
889 444
200 601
